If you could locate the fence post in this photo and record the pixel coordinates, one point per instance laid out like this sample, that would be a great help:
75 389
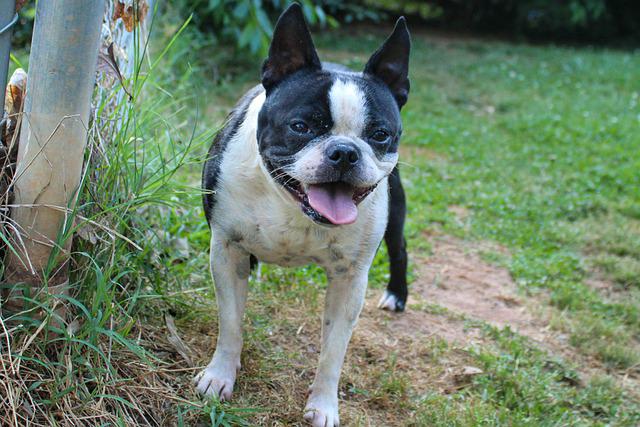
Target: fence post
53 137
7 14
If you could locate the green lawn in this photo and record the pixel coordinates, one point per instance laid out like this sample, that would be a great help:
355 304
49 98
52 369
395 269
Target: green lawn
542 146
539 145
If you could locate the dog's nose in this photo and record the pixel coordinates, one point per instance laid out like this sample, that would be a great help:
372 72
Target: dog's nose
343 156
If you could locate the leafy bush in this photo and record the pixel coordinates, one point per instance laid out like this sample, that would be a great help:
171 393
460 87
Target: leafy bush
247 24
593 20
379 10
350 11
21 32
538 17
421 9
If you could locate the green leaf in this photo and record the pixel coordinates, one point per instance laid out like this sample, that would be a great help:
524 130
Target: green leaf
307 8
322 17
241 10
16 61
258 41
264 22
247 34
214 4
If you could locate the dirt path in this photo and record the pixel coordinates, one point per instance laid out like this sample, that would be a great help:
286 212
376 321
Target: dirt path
456 278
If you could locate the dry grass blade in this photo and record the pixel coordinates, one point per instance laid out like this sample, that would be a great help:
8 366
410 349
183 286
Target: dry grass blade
108 64
177 342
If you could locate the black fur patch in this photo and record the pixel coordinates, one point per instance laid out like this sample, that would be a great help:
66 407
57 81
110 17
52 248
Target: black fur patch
390 63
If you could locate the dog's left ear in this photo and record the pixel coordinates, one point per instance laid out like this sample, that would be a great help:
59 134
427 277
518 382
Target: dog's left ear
291 49
390 62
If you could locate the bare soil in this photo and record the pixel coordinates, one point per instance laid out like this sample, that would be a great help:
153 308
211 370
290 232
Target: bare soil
456 277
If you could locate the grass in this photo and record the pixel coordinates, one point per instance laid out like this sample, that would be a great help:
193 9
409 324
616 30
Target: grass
539 146
536 145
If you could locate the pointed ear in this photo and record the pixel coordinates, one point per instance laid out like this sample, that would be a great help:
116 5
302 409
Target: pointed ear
291 48
390 63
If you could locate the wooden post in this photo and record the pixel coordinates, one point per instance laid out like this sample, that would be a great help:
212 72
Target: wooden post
53 137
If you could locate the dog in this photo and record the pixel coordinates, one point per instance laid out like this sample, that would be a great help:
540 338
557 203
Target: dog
305 171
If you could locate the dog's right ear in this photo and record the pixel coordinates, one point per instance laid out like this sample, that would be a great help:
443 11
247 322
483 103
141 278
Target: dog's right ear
291 48
390 63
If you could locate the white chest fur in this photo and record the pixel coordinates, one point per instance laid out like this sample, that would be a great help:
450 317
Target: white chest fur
257 214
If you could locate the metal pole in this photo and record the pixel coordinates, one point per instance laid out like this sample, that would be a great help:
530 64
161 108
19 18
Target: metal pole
53 136
7 15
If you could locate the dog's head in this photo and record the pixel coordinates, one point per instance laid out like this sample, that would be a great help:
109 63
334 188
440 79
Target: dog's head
329 135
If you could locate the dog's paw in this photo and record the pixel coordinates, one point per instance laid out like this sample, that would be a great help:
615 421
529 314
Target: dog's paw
217 380
391 302
322 412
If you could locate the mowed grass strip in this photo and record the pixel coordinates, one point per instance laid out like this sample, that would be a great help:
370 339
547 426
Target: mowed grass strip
538 146
542 146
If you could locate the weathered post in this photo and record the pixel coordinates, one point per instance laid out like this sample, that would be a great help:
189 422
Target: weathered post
53 137
7 19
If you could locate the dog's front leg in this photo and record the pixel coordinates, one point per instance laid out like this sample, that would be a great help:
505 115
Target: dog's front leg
230 271
344 300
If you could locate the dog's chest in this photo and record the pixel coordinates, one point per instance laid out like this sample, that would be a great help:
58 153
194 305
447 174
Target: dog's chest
293 245
261 218
275 231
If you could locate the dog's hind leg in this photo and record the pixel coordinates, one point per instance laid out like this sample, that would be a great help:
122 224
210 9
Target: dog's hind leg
395 297
230 267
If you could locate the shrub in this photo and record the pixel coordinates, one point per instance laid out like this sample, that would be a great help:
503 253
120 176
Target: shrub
246 24
590 20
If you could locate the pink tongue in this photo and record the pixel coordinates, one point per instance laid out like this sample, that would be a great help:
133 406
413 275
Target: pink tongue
334 202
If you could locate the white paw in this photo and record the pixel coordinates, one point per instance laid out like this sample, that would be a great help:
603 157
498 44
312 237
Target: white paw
322 411
217 379
388 301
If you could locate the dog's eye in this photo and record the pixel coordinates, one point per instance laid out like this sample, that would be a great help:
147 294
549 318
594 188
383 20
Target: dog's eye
380 135
299 127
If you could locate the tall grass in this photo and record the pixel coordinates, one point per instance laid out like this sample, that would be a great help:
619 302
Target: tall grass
104 363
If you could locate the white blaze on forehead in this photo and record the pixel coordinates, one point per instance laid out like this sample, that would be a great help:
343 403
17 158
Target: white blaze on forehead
348 108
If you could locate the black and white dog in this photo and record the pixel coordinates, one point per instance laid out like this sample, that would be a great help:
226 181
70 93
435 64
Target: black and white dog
305 171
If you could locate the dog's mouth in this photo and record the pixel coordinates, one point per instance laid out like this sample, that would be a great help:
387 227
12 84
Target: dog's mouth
331 203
